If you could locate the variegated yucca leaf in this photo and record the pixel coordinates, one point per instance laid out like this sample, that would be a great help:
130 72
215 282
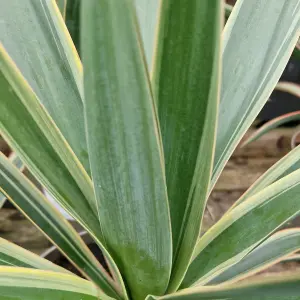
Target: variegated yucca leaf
296 52
32 284
124 147
276 248
272 288
268 32
39 210
186 85
132 146
49 63
19 164
13 255
240 230
32 134
289 163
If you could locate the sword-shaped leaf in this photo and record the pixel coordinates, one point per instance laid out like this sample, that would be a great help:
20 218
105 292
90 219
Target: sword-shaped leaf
31 284
35 36
124 147
186 81
31 133
240 230
272 288
274 249
62 6
41 212
13 255
19 164
289 163
259 38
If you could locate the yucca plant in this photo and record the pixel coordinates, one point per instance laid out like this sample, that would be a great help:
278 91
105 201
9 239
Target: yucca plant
132 146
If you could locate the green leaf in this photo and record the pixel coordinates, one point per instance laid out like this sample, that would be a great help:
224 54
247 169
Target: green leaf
259 38
19 164
296 52
30 131
240 230
123 141
35 36
13 255
30 284
62 5
286 165
274 249
148 14
39 210
186 78
272 288
274 123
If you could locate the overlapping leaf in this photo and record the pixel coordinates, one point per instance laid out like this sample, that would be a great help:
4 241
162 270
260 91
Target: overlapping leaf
274 249
34 34
148 15
272 288
31 133
19 164
13 255
259 38
186 83
30 284
39 210
123 142
286 165
240 230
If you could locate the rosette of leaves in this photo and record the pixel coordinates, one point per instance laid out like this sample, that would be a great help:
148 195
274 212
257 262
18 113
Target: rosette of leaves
132 140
